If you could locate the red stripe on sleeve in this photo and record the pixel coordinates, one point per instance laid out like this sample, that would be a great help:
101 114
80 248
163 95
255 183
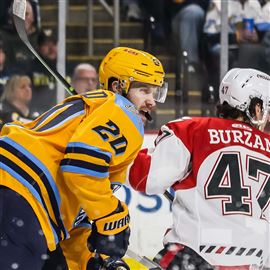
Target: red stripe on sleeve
220 250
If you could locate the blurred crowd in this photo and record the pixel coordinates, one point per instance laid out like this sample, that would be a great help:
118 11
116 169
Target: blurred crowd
177 26
194 27
27 89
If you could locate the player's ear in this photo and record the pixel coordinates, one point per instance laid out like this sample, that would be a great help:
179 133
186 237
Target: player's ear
116 88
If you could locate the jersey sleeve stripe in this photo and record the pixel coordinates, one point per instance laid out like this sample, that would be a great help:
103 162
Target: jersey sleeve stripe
79 166
56 124
88 150
48 114
79 170
42 172
25 179
69 113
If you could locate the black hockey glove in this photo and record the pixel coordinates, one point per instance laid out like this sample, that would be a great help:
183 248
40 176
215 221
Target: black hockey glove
97 263
110 234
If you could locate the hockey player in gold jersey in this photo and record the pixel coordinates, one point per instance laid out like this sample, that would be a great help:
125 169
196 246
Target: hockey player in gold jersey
66 160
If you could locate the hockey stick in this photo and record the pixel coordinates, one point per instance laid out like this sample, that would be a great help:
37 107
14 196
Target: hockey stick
143 260
19 9
168 196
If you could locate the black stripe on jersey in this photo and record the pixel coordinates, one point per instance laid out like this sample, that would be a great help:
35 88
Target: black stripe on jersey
251 251
76 106
44 179
84 165
240 251
48 113
201 248
33 183
89 152
210 249
231 250
259 254
54 110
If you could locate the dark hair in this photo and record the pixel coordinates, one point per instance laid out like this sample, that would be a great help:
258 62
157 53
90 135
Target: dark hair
110 82
228 112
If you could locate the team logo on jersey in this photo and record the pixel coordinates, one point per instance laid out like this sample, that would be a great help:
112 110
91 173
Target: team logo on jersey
132 109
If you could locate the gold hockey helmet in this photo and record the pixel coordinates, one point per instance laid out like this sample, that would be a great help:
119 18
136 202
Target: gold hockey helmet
128 65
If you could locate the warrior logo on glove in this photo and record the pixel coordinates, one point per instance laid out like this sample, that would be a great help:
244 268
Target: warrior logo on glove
109 226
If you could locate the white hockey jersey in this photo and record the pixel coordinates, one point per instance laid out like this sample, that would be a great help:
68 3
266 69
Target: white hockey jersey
220 172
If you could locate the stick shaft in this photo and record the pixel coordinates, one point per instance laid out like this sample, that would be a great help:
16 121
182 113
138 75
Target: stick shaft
20 27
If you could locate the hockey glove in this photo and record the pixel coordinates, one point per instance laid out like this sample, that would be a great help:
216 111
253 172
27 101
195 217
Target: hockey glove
115 265
97 263
110 234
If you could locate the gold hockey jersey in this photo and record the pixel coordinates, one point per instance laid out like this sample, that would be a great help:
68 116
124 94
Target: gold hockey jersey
66 159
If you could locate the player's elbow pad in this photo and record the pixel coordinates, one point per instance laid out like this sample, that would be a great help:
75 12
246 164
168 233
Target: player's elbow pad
110 234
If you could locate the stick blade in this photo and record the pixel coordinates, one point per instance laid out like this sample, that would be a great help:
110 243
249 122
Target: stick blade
19 8
143 260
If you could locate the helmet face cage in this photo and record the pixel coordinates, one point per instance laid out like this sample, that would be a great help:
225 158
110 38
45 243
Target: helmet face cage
240 86
128 65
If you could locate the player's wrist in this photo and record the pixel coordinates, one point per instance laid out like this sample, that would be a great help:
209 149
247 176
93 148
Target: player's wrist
114 223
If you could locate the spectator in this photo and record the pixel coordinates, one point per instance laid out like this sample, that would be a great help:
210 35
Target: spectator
47 45
251 50
248 10
187 26
84 78
15 100
44 84
244 43
4 72
17 53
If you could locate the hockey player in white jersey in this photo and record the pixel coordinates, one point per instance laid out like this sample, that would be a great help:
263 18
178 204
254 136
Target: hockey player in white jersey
220 169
